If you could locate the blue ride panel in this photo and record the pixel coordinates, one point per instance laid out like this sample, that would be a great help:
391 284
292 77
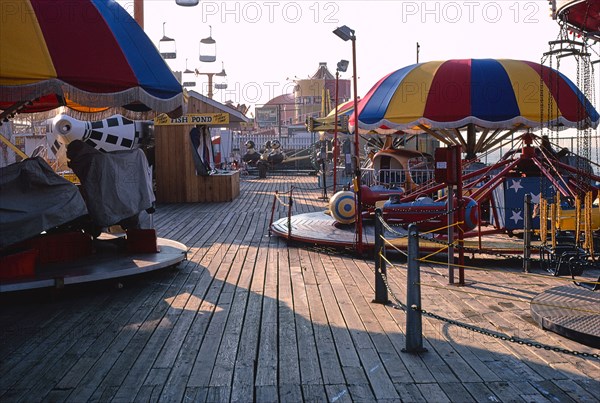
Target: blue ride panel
510 200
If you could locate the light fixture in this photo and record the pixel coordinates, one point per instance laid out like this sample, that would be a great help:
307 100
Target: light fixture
345 33
208 48
166 46
342 66
188 77
187 3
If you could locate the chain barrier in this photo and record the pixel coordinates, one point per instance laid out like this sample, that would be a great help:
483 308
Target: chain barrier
311 189
397 304
513 299
504 337
478 251
504 271
445 213
389 227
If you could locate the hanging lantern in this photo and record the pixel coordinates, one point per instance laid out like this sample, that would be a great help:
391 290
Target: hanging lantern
208 48
188 77
221 79
187 3
166 46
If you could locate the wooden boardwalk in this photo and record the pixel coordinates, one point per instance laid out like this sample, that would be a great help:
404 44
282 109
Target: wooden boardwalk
250 318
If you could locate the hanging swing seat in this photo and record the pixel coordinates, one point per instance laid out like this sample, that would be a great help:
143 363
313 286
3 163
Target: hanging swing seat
566 258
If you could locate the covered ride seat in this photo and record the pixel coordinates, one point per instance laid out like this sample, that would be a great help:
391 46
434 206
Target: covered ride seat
33 199
116 185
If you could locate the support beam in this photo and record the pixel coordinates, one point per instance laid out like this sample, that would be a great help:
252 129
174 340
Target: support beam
435 135
470 146
492 142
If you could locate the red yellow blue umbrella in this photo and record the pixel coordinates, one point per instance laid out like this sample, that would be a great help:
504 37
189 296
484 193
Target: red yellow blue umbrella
442 97
85 53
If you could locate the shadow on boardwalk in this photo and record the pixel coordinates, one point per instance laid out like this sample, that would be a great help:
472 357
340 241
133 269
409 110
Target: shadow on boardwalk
249 317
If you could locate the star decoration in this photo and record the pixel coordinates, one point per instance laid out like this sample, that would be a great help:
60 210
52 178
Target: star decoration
535 198
516 185
516 216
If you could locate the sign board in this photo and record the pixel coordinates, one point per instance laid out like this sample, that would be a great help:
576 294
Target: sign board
267 116
247 125
193 119
448 167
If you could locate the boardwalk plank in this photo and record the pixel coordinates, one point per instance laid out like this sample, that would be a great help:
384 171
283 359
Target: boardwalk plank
249 317
310 370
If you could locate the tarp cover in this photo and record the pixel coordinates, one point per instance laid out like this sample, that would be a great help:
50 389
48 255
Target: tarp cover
33 199
116 185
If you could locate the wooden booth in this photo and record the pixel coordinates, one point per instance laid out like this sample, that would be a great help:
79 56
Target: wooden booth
176 178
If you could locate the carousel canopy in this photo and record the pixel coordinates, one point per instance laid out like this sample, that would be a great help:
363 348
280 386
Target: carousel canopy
85 53
497 94
581 15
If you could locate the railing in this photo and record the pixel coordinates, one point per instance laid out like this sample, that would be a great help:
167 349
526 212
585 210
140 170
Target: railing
288 144
396 177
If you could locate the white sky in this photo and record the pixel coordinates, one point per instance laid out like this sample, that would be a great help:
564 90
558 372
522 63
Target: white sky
265 43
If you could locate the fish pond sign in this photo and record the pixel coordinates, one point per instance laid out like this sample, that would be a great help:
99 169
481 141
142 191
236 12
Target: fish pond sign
214 119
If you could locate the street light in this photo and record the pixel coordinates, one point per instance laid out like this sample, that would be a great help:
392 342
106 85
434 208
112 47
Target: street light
346 34
342 66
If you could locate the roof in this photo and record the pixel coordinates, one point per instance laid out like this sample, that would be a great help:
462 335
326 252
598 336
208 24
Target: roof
282 100
323 73
211 105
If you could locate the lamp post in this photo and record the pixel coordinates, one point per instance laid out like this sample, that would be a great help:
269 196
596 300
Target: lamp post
345 33
342 66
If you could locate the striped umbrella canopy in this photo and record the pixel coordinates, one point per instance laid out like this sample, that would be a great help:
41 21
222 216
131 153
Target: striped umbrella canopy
493 97
86 54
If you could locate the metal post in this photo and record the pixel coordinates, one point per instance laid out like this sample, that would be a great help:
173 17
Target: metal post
289 218
357 178
335 132
414 326
381 296
279 122
323 156
273 210
138 12
324 167
527 234
461 218
450 203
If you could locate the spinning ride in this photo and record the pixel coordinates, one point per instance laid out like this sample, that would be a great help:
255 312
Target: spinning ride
90 57
477 105
473 103
582 16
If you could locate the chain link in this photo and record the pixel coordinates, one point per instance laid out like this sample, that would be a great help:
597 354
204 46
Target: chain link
504 337
399 305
